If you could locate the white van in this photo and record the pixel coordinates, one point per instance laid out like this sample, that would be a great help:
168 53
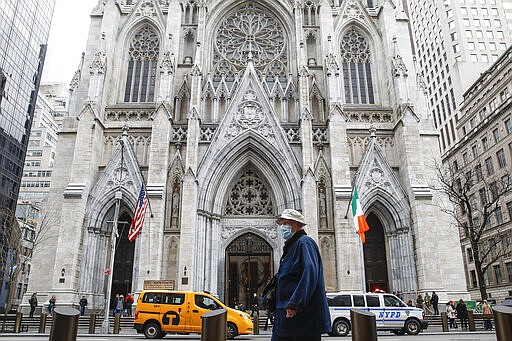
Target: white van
391 313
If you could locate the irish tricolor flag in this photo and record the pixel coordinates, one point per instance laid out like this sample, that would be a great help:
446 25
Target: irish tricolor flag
360 223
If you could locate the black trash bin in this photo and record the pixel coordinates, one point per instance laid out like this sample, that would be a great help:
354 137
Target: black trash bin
64 324
503 322
364 325
214 325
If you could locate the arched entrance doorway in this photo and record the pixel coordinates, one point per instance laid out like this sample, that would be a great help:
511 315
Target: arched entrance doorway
249 267
375 261
123 260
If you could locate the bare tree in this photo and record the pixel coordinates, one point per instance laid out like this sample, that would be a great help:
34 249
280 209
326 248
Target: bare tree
21 236
476 200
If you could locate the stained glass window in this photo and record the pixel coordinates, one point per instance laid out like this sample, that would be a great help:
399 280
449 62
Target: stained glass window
142 63
357 73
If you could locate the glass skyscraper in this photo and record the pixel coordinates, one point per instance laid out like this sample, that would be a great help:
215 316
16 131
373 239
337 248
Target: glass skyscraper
24 30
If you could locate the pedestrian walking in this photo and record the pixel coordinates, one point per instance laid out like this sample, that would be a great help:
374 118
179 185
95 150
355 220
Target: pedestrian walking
301 312
119 307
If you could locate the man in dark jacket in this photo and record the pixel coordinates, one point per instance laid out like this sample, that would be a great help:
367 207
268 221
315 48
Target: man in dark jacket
435 301
83 304
462 314
302 313
33 304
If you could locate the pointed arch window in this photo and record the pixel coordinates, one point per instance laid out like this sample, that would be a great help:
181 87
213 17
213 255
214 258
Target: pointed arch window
357 72
142 62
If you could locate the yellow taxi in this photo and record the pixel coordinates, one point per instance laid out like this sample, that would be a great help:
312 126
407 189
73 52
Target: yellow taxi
159 312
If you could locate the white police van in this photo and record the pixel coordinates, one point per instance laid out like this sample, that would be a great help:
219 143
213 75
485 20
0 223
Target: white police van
391 313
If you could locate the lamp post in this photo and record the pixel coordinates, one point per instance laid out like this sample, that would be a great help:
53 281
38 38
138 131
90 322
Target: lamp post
249 250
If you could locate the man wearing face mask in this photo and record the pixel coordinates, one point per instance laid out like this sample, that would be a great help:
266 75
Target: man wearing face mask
301 312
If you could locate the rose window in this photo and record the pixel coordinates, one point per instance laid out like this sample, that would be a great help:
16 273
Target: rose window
249 30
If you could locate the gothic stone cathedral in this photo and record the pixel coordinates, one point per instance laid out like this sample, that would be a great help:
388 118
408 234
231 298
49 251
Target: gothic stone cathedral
231 111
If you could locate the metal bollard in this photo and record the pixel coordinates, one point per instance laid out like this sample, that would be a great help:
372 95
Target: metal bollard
92 323
444 321
503 322
17 323
42 323
117 322
256 325
214 325
471 321
364 326
64 324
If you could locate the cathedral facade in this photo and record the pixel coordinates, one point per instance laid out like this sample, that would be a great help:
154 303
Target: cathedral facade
230 112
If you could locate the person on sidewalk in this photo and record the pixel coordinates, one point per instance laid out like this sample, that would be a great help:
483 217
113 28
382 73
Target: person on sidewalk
487 310
83 305
450 313
462 313
302 313
435 302
33 304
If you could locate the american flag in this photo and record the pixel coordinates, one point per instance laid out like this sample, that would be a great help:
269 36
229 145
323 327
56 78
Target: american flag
138 216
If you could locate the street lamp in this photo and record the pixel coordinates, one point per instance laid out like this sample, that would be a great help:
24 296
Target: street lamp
249 250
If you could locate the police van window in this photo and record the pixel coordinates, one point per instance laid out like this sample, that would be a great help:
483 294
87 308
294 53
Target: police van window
339 301
152 297
358 300
392 301
176 299
372 301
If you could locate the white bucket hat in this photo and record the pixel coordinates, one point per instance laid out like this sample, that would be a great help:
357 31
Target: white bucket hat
291 214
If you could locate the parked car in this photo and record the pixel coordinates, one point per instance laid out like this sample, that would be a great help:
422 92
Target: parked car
161 311
391 313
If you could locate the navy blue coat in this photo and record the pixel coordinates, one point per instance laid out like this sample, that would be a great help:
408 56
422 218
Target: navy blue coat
300 285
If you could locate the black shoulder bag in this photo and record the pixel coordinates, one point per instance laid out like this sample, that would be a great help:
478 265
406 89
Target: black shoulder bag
269 295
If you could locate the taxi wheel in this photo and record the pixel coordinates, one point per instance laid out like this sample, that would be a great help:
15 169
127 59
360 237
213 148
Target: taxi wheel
340 328
152 330
231 331
412 327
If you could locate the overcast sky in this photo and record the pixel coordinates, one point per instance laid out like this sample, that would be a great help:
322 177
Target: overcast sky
68 38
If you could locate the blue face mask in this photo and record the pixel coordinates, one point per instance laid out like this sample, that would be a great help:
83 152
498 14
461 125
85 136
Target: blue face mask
286 231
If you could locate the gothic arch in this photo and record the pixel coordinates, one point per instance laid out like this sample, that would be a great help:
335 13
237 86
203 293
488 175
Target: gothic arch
248 149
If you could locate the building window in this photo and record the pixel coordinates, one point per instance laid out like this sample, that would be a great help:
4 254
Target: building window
473 58
470 255
357 73
483 196
485 143
508 125
509 271
499 216
474 150
478 172
489 166
502 162
493 188
497 273
496 135
509 210
474 283
142 63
